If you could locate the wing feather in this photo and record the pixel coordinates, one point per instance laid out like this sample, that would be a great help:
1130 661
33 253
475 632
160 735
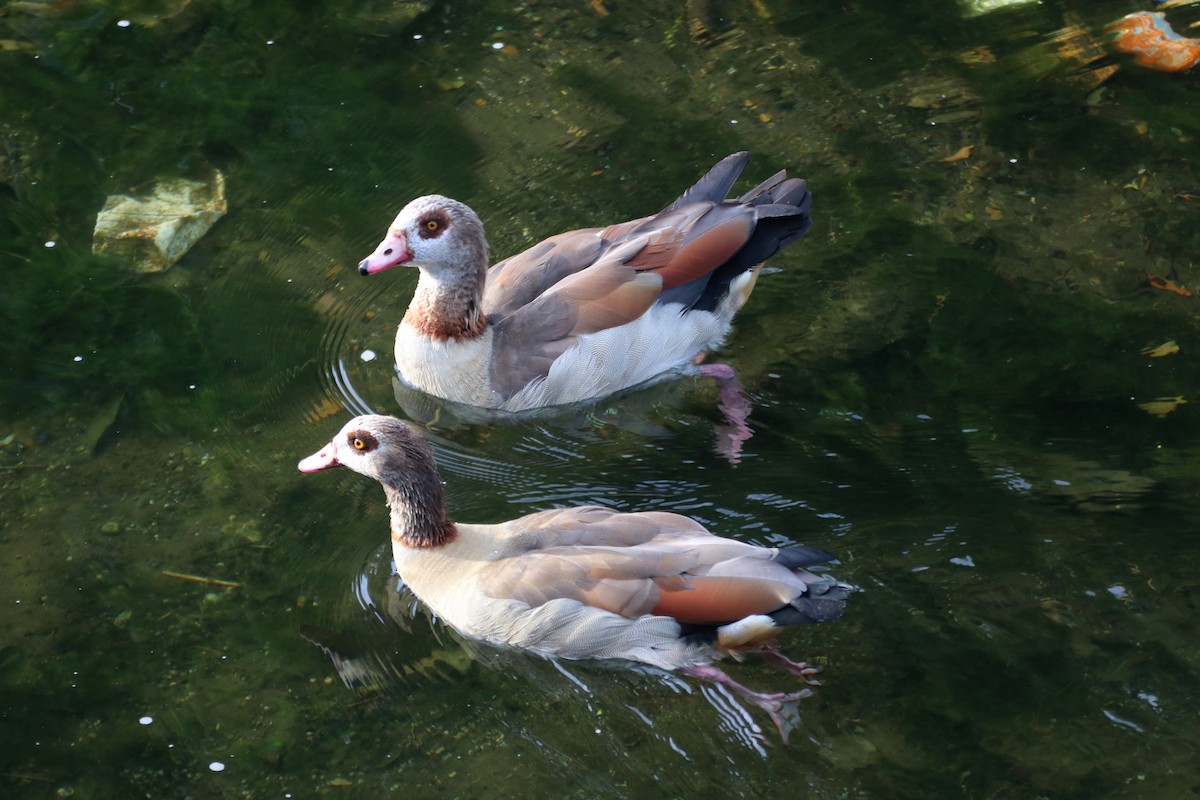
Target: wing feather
635 564
539 301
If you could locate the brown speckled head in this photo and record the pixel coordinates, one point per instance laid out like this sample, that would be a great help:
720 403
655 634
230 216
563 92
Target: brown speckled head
386 449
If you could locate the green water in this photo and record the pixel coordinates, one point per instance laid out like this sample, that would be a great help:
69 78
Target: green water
949 386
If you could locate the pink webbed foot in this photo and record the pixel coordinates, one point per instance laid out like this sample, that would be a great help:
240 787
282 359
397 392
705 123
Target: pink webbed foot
779 706
736 408
806 671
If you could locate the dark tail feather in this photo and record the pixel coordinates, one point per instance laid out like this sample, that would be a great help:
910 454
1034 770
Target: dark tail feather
781 206
825 597
784 215
796 556
777 189
782 197
824 601
714 186
759 194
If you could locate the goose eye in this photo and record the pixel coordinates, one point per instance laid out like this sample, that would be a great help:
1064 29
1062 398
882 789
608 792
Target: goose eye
431 225
362 441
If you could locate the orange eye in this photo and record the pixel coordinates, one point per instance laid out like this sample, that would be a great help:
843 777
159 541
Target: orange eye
432 225
358 443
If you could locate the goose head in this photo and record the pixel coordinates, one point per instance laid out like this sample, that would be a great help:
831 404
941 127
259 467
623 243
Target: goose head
386 449
380 447
440 235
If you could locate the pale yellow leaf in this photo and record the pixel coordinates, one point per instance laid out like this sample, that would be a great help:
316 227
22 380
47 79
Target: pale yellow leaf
1169 348
1162 406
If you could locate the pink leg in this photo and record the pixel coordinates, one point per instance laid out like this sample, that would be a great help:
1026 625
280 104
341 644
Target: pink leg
772 653
778 705
734 406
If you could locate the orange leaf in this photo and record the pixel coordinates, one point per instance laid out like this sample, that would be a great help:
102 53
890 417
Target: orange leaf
961 154
1168 285
323 410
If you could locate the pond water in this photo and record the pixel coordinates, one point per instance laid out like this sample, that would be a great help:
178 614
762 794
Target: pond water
970 382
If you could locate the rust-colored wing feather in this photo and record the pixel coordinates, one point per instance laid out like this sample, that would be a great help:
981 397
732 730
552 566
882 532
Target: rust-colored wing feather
731 590
697 244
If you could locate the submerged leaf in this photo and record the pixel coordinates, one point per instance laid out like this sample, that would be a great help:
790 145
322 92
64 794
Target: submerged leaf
1168 285
961 154
1168 348
1162 406
101 423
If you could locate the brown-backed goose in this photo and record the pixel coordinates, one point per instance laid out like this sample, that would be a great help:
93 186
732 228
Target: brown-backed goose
589 582
586 313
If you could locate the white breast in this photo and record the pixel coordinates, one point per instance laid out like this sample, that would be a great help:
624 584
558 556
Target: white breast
455 370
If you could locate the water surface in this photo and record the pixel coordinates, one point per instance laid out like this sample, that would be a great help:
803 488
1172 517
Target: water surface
953 382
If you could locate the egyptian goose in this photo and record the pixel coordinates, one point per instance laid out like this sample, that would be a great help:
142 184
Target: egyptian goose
589 582
587 313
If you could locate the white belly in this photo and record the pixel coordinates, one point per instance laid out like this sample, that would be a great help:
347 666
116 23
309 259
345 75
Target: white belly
658 342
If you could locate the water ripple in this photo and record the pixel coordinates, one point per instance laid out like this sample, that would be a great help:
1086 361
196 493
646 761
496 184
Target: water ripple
350 348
